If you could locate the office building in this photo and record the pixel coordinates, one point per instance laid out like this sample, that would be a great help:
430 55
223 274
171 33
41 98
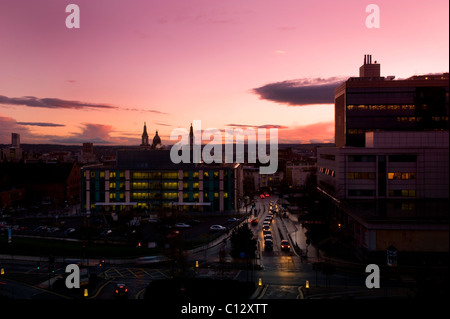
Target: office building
147 178
371 102
386 183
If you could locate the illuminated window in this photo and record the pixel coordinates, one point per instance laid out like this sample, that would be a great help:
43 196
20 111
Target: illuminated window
112 185
92 174
112 195
102 174
112 174
170 175
195 185
195 175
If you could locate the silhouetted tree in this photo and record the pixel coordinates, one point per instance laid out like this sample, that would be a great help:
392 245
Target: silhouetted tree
242 241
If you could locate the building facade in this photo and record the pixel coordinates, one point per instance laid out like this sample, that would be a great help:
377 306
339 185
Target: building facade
386 183
148 179
374 103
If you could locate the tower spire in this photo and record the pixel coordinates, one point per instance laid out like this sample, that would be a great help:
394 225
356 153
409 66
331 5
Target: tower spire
145 136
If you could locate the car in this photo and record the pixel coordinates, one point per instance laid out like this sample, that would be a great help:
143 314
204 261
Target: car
173 234
232 220
268 220
106 232
285 245
52 229
262 196
68 231
121 291
268 236
266 227
254 222
182 225
215 228
152 260
268 244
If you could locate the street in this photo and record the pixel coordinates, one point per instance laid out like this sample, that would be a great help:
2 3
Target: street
281 273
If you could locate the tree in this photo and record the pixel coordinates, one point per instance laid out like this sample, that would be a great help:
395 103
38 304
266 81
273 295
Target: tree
242 241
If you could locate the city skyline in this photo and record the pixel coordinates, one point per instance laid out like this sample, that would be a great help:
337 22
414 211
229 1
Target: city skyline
234 64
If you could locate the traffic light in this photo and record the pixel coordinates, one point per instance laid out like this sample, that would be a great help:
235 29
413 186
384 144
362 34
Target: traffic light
38 265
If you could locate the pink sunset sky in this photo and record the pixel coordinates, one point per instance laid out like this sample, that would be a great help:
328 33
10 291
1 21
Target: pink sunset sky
233 63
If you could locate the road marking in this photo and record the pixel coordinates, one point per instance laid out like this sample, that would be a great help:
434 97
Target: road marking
113 269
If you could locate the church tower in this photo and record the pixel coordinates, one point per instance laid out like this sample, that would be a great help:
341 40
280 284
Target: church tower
191 138
145 138
156 142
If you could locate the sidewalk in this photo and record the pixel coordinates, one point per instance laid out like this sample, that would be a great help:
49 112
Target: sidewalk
352 292
297 237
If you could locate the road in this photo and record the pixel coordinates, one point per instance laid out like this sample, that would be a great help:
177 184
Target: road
282 272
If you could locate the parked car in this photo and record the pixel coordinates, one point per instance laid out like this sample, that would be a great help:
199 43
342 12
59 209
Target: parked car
215 228
232 220
106 232
68 231
173 234
254 222
182 225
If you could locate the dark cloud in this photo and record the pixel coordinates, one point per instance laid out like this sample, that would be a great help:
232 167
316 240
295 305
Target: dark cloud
301 91
52 103
39 124
143 110
55 103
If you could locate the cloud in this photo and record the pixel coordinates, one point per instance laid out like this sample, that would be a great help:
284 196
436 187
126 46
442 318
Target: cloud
97 134
143 110
322 132
258 126
39 124
9 125
52 103
301 91
55 103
